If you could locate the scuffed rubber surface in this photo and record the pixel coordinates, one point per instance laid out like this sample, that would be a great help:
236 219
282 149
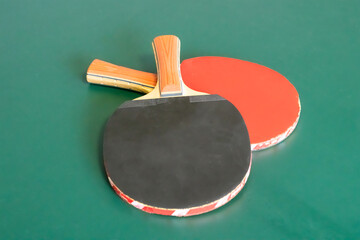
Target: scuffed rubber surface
178 152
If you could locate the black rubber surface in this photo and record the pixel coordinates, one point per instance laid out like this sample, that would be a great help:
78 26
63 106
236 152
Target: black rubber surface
177 152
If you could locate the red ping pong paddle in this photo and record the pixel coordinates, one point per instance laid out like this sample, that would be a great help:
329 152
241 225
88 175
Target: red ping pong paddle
176 151
268 102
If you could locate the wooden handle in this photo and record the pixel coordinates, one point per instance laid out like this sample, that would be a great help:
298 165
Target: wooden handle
100 72
167 56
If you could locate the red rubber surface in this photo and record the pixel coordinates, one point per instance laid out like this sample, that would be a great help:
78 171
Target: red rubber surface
268 102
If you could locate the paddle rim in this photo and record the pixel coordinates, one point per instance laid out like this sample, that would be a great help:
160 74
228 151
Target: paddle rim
183 212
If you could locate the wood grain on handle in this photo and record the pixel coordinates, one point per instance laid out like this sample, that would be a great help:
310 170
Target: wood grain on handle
167 55
103 73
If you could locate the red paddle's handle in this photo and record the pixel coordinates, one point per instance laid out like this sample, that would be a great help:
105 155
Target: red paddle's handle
167 56
103 73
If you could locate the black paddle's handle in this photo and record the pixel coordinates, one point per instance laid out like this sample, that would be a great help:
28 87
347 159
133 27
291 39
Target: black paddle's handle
167 56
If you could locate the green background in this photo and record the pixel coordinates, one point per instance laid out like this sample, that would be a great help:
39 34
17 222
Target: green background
52 181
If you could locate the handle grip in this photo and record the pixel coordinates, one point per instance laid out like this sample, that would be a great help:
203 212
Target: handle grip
103 73
167 56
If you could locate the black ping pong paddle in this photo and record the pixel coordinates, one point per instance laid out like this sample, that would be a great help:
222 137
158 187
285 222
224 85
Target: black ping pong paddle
176 151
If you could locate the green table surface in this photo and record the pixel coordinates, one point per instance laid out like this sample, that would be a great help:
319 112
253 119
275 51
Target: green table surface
52 180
